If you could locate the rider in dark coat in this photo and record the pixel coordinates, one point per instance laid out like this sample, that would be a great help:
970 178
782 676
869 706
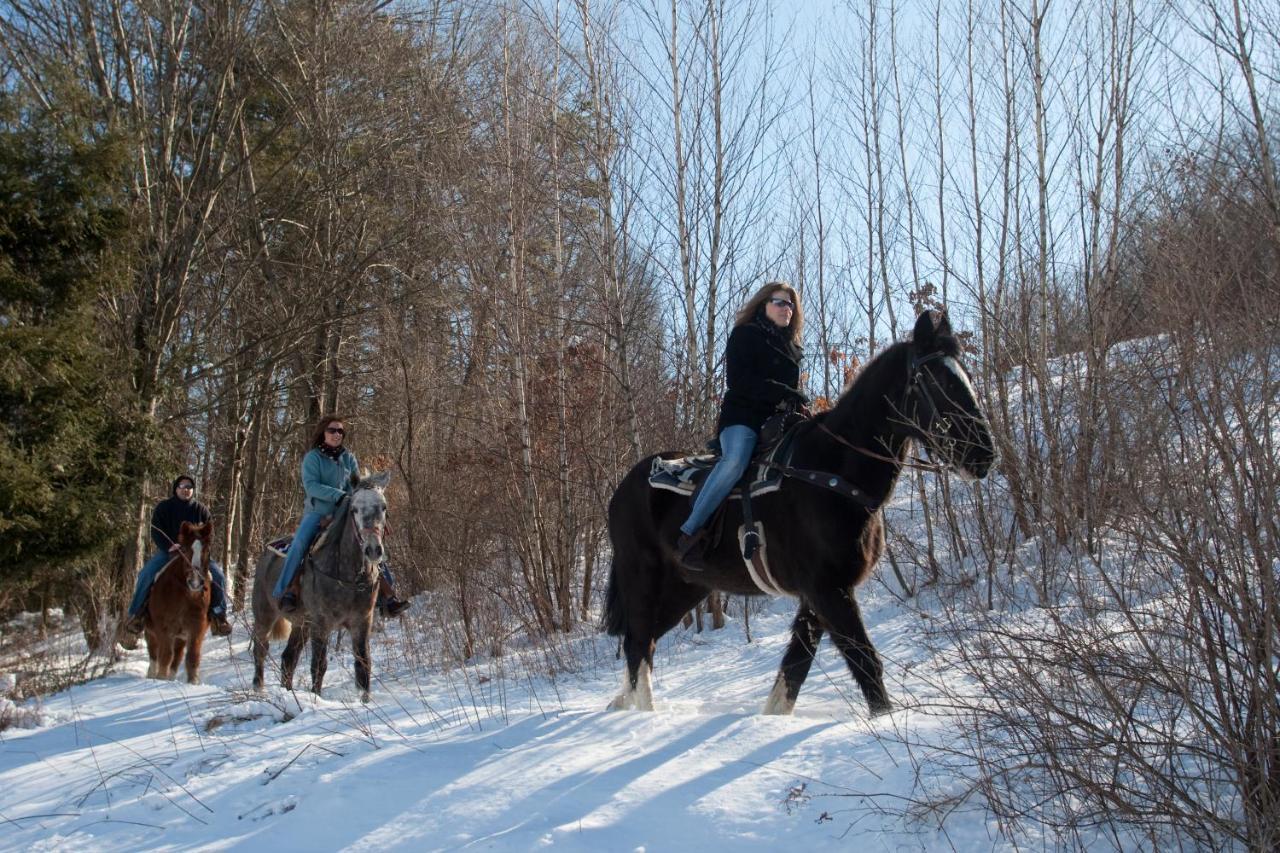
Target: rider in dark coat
166 522
762 372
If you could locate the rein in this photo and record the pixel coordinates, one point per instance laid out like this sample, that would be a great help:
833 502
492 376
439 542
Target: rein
363 580
839 485
181 555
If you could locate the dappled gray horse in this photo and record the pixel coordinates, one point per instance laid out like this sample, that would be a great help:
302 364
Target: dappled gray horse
339 586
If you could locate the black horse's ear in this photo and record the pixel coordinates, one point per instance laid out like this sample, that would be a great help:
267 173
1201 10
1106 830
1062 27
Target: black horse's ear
926 330
930 325
355 479
943 325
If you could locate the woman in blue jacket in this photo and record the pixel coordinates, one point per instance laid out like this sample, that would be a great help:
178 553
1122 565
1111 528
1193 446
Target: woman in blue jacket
762 372
327 469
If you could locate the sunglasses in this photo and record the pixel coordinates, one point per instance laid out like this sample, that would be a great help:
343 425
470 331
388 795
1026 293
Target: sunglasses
336 431
185 487
784 303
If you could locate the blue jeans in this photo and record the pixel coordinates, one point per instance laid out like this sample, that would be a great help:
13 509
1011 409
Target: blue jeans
307 530
736 444
158 560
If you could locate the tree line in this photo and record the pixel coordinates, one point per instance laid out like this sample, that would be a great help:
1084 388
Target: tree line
505 242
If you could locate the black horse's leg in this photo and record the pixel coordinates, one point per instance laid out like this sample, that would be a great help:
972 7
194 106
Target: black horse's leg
292 651
648 620
806 633
360 649
839 613
319 656
637 689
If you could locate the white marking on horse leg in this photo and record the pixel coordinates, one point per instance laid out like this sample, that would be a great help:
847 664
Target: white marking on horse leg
625 700
778 703
644 688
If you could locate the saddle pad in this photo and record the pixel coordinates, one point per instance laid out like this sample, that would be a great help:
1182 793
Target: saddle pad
683 474
280 546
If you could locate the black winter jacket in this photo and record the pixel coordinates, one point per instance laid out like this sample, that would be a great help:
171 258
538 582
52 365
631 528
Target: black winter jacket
762 371
167 517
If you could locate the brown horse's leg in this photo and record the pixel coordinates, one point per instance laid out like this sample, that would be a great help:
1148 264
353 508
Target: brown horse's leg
806 633
179 646
360 649
839 614
153 646
194 649
319 656
292 650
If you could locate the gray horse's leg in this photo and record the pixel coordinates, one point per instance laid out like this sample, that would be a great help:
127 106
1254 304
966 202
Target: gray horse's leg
264 617
319 656
292 650
260 648
360 649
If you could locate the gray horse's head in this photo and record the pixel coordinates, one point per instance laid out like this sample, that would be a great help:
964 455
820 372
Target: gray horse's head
369 513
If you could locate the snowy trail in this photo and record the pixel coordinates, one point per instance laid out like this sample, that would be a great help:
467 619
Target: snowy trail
125 763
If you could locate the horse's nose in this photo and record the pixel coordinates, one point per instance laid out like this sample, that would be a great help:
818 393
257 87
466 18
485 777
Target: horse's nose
377 551
985 462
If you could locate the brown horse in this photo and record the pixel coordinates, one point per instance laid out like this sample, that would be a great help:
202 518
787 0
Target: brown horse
178 615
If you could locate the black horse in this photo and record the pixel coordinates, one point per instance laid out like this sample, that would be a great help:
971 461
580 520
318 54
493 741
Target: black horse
824 534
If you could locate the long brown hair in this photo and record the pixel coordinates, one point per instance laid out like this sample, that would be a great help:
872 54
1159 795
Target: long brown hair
763 295
317 437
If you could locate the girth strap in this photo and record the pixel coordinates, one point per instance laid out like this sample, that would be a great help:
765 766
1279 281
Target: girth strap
831 482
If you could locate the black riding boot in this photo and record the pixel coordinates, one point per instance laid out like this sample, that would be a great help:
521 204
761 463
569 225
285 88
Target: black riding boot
691 550
388 603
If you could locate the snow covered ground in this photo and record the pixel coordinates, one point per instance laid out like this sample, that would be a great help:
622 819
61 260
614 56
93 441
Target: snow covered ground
502 756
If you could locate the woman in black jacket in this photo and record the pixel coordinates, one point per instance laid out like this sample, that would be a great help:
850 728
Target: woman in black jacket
762 371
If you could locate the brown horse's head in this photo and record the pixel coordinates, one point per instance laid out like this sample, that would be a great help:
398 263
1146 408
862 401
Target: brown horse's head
193 541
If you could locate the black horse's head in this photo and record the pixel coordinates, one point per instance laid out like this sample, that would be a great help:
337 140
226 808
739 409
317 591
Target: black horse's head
369 513
939 405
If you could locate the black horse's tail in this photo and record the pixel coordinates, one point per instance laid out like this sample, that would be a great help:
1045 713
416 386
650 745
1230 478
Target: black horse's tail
614 619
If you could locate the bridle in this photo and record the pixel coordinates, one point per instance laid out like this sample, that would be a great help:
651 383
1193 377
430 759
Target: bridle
362 532
936 426
915 386
180 554
833 482
365 578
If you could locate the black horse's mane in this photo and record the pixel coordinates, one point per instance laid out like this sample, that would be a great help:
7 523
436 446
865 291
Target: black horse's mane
868 388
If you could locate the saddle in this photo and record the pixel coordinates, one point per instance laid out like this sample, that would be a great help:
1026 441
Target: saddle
280 545
684 475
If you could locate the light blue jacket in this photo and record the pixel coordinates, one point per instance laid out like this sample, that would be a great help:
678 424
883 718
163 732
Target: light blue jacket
326 480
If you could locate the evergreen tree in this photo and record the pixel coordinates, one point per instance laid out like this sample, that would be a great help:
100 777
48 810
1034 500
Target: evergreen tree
62 431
